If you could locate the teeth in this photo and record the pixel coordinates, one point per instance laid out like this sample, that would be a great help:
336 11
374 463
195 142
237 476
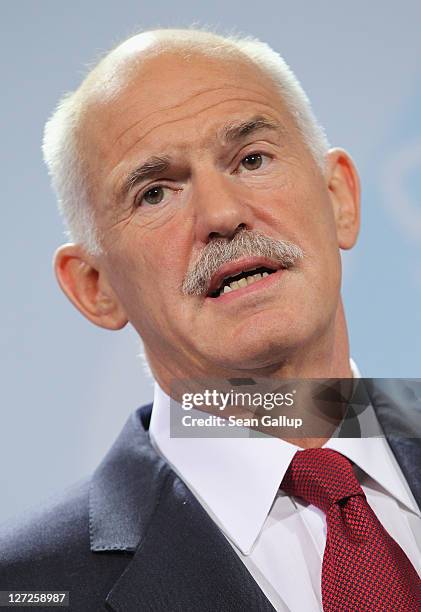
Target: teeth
253 279
244 282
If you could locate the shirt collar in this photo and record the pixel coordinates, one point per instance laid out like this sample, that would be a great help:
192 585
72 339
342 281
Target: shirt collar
236 479
374 456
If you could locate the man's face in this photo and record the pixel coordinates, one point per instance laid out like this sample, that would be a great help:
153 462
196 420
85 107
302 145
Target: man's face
170 173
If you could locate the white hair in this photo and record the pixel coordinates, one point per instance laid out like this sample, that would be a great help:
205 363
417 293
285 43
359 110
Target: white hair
62 150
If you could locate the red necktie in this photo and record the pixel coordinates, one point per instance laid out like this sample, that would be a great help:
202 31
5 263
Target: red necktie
364 569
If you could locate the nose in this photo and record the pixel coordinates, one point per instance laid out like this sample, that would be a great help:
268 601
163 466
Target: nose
220 208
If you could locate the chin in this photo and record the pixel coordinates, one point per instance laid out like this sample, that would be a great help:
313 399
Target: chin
259 348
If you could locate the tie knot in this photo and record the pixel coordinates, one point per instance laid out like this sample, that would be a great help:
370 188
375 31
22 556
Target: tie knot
321 476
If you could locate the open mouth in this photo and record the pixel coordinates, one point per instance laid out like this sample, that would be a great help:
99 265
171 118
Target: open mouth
240 280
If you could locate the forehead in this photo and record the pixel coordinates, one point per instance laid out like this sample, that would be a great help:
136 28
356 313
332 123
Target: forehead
166 77
159 91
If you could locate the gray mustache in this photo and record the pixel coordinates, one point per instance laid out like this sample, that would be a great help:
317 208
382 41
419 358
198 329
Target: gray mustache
245 243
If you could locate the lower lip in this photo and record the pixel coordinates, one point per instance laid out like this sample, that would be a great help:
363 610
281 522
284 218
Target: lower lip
263 283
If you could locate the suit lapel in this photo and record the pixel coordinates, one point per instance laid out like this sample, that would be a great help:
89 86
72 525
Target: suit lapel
181 560
397 405
185 563
124 489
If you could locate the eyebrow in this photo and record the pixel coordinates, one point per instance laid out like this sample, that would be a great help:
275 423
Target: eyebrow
231 133
237 131
153 166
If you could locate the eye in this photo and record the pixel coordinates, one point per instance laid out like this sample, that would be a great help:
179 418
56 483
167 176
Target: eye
252 161
155 195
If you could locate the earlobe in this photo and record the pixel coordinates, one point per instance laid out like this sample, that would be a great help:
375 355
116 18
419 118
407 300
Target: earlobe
84 283
344 189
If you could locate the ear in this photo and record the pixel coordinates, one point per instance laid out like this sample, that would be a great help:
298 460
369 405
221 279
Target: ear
344 188
85 284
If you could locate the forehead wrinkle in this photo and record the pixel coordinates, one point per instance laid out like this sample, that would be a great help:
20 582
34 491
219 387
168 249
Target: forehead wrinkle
181 104
171 121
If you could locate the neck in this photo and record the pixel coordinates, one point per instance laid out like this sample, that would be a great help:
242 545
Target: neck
327 357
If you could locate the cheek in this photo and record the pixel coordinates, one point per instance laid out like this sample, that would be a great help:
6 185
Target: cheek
302 212
312 214
304 218
126 275
146 272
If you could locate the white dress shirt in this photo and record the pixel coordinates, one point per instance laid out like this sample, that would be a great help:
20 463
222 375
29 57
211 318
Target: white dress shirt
281 539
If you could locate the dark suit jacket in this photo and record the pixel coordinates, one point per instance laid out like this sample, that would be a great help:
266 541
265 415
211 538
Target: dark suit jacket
134 538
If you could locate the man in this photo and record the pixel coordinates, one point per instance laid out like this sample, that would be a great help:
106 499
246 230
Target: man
185 164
